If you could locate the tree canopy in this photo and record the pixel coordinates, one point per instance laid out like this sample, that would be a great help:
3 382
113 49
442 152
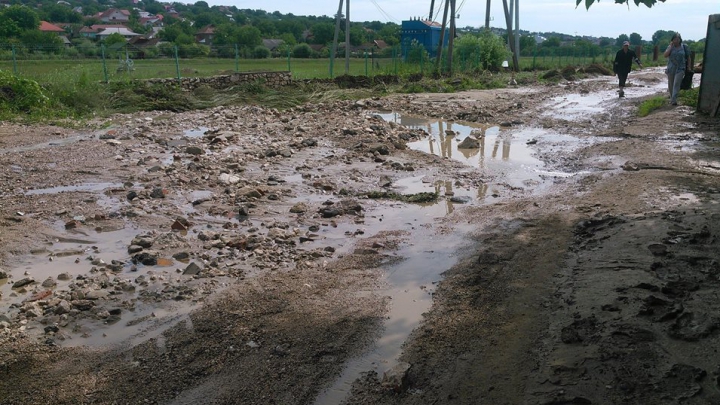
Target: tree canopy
648 3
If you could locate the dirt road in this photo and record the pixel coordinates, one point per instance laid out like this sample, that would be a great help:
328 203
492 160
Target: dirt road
532 245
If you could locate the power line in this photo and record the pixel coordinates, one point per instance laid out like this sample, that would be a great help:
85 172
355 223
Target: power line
383 12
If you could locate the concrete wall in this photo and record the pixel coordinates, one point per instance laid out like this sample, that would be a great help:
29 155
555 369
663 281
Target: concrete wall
270 79
710 79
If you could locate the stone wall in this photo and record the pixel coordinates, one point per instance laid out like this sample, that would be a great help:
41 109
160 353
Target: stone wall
270 79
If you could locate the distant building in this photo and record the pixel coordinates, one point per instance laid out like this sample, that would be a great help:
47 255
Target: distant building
93 30
47 27
425 32
125 32
205 35
114 15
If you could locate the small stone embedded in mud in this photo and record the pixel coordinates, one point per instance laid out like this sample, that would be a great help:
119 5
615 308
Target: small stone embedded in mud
179 225
299 208
146 258
158 192
194 150
461 199
23 282
192 269
144 241
658 249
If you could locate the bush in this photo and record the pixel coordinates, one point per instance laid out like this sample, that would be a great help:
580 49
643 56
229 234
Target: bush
261 52
20 95
492 51
302 51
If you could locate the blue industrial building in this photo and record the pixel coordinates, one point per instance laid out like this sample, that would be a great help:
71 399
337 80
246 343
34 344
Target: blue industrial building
426 32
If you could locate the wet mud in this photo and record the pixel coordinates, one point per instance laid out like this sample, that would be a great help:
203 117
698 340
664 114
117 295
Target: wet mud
523 245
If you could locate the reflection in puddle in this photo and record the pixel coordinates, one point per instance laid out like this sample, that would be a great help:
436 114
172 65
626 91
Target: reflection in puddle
499 152
195 132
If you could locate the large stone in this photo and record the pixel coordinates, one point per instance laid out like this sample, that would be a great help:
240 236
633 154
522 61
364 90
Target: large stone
469 143
142 241
192 269
396 378
22 283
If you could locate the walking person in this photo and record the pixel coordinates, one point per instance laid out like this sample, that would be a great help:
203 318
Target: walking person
623 65
678 56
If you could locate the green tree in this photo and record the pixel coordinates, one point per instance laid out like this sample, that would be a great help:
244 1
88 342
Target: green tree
14 20
288 39
527 43
323 33
661 37
358 36
293 27
205 19
492 50
113 39
47 41
59 13
635 39
302 51
85 46
266 27
249 36
260 52
418 54
620 39
390 33
171 32
552 42
466 48
648 3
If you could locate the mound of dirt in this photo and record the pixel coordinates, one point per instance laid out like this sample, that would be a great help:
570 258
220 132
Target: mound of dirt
598 69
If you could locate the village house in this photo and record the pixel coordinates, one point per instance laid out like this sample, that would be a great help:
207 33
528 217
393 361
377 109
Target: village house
114 16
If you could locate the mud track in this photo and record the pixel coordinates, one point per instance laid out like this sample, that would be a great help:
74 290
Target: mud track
241 255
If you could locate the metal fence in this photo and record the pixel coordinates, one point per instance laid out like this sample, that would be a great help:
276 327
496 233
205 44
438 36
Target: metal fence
123 61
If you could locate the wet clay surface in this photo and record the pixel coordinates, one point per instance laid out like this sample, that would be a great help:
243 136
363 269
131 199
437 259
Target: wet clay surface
244 255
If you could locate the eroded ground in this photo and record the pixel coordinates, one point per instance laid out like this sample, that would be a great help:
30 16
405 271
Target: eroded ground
245 255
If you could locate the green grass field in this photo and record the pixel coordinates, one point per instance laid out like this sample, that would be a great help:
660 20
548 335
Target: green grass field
99 70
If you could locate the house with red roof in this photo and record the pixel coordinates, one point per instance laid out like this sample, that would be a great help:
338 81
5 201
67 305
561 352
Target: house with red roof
47 27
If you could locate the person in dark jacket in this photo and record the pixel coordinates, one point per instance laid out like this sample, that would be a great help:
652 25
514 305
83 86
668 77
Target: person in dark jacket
623 64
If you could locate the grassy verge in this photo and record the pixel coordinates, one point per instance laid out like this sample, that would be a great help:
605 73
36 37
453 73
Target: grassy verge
650 105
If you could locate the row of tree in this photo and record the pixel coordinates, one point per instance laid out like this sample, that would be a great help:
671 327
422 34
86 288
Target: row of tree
246 28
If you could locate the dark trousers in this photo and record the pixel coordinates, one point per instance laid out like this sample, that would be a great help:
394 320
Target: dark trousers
623 78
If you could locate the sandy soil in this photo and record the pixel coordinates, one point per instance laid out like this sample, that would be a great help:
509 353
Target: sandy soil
243 244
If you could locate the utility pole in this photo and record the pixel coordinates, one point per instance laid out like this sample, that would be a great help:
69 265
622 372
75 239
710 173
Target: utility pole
432 8
451 42
347 37
511 42
487 15
335 38
442 36
517 29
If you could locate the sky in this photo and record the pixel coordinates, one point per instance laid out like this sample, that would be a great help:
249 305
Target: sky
605 18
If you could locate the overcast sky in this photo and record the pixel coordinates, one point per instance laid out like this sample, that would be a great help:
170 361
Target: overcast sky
605 18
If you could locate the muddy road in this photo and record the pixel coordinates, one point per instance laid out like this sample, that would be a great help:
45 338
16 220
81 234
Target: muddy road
530 245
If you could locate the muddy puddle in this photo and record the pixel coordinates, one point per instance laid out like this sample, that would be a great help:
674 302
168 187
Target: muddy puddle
410 284
510 155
